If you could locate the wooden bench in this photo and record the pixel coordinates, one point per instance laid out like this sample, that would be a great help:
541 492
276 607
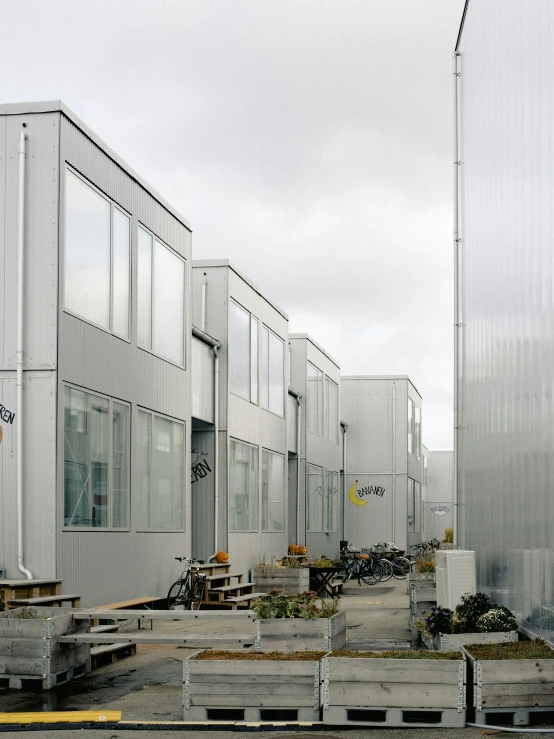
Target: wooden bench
47 600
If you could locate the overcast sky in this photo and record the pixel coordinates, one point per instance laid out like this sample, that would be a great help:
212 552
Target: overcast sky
308 141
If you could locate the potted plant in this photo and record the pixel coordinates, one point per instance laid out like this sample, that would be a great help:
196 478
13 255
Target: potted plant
252 686
515 677
423 570
31 651
476 620
394 688
299 622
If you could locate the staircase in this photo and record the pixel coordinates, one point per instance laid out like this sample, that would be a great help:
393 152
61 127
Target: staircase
226 589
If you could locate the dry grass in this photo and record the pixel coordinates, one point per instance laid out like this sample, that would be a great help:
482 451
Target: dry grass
419 654
259 656
537 649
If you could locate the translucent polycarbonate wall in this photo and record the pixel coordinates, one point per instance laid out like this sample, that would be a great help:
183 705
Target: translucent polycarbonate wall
506 372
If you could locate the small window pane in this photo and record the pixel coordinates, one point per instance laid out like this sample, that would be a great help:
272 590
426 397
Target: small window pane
87 252
331 500
265 367
144 293
315 400
332 410
417 506
411 505
167 486
121 256
410 425
315 498
273 486
417 432
276 375
169 304
120 435
86 459
253 359
244 486
239 351
141 495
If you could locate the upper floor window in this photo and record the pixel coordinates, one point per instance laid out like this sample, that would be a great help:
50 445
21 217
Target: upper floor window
96 460
315 400
161 299
414 429
273 372
331 410
243 353
97 257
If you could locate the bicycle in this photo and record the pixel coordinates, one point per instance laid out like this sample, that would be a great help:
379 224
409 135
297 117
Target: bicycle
187 591
364 567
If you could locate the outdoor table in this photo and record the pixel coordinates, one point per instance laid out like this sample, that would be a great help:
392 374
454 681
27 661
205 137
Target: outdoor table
322 577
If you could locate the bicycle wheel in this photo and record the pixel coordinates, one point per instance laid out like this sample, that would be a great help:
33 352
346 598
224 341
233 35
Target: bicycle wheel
387 569
401 567
179 595
371 573
197 593
348 570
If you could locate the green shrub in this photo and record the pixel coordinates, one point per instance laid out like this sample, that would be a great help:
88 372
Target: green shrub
301 605
470 610
497 619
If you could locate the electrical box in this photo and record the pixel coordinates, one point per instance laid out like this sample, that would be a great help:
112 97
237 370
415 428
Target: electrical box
456 576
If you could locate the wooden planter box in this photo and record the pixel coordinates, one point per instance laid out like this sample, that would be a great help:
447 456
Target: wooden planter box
393 692
423 598
29 648
417 577
299 634
287 579
451 642
256 690
517 686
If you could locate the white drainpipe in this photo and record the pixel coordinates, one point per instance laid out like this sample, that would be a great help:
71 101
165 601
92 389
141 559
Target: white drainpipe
298 415
457 311
19 359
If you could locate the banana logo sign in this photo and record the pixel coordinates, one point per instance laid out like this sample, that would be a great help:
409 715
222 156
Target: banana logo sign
353 497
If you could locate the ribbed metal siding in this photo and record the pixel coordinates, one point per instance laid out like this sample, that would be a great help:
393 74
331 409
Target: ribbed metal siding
507 190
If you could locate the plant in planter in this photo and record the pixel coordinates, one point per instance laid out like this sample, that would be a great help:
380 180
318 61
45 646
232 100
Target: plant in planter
472 607
394 688
515 678
299 622
252 686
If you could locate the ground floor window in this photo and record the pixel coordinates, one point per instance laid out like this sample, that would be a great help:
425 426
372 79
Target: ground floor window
243 486
414 506
96 460
160 466
314 507
273 491
331 503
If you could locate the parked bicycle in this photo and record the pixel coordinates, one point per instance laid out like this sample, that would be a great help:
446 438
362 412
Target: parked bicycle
361 565
426 547
188 590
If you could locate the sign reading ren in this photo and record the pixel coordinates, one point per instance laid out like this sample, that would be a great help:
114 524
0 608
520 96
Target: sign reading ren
6 415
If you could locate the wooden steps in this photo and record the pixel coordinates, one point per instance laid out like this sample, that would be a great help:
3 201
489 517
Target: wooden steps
108 653
46 600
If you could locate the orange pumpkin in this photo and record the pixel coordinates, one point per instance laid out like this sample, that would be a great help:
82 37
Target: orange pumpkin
222 558
302 550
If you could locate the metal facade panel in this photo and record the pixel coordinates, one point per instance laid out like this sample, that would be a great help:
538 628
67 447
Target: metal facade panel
291 423
41 238
202 366
506 451
39 476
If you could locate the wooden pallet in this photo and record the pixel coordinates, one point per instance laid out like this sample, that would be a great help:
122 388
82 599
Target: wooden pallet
237 715
520 716
393 717
47 682
107 653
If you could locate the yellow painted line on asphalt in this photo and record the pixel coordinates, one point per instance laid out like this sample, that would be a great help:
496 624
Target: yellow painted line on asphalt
54 717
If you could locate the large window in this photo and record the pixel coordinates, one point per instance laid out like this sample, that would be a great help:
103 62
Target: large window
331 502
273 491
97 257
414 429
243 353
160 460
414 506
96 460
315 400
331 410
273 372
161 299
315 499
243 487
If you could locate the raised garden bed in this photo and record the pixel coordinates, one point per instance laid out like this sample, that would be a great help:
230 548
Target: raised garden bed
448 642
394 689
286 579
30 650
417 577
250 686
514 678
295 634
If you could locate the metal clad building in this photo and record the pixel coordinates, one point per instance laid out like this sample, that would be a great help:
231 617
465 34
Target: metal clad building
505 276
107 326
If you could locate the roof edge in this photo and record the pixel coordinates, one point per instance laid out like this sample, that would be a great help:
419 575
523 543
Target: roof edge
317 346
462 22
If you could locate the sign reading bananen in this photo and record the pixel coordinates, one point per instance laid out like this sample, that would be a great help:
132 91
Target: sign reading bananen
357 495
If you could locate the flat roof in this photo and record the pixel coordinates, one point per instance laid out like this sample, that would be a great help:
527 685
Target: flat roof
56 106
202 263
317 346
462 25
381 377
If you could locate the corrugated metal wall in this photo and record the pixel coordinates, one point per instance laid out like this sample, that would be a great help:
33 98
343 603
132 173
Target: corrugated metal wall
507 190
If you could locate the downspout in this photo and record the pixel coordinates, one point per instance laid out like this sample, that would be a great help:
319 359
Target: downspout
344 428
457 324
297 397
215 345
393 463
19 358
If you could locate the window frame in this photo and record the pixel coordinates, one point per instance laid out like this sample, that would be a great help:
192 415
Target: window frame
326 410
256 496
335 496
113 205
153 414
151 350
321 470
110 472
283 501
270 332
320 396
251 320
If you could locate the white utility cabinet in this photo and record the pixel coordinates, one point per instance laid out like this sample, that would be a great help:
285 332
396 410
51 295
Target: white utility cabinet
455 572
